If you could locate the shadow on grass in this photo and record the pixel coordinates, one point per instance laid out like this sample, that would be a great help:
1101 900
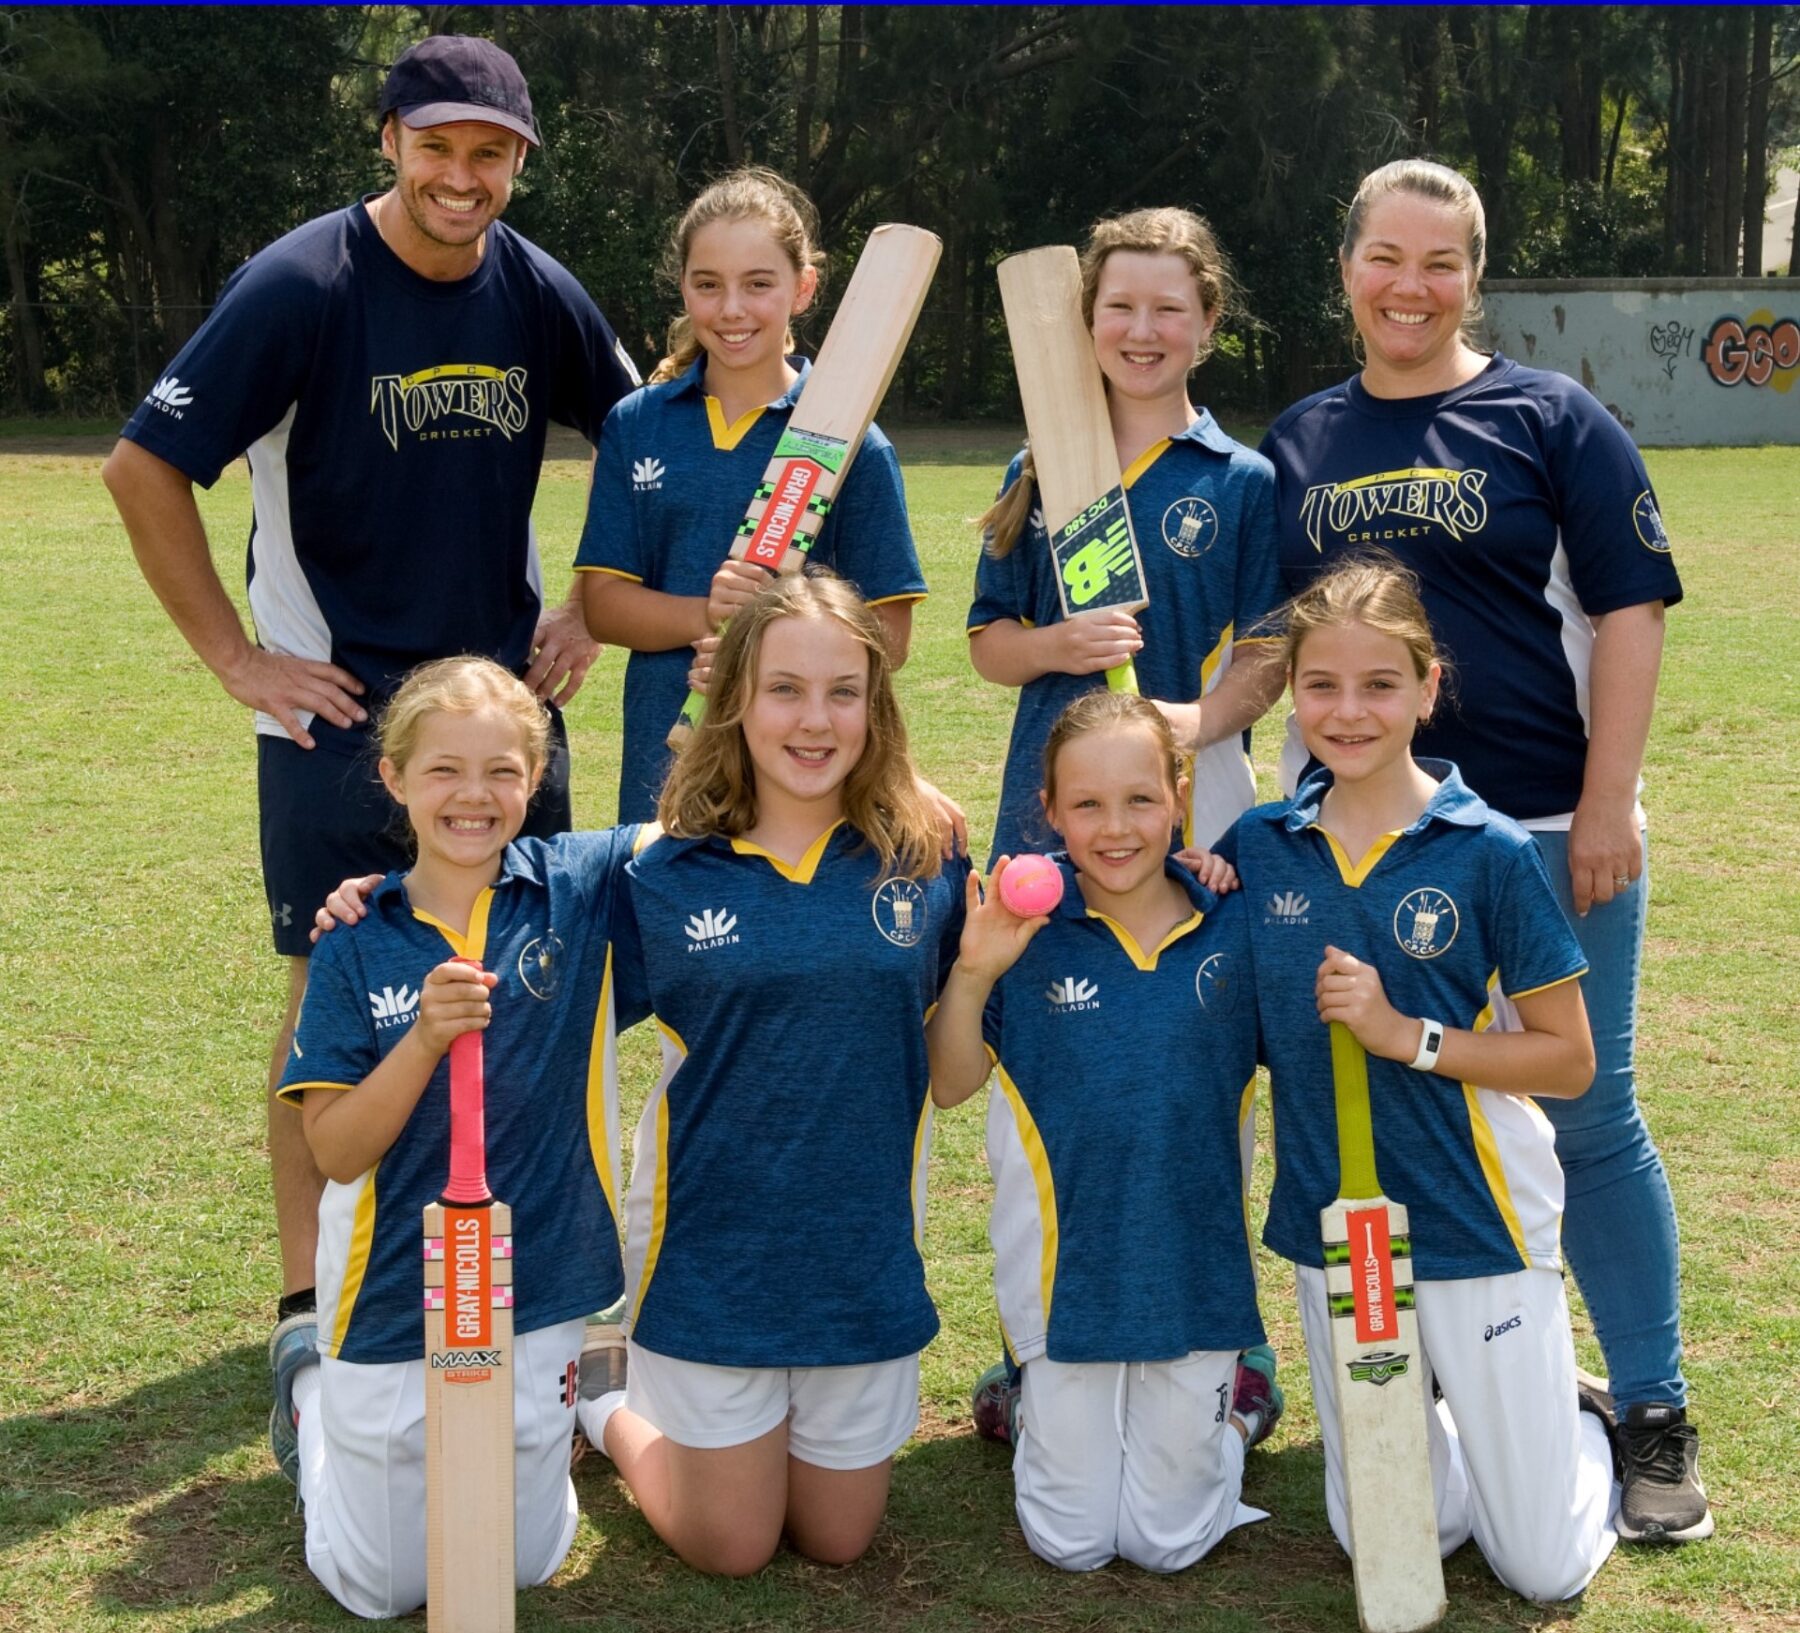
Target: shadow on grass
197 1536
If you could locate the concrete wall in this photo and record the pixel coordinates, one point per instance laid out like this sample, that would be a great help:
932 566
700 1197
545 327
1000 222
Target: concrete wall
1678 361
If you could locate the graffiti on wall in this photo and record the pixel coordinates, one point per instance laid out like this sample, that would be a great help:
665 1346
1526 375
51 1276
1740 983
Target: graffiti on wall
1760 350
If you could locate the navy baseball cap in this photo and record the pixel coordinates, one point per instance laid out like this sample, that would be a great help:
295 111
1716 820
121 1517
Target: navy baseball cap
449 78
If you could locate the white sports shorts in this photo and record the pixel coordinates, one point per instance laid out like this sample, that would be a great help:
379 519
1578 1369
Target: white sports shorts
842 1417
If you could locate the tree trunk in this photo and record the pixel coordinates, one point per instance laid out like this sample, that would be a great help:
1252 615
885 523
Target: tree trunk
1612 142
178 248
1735 42
1690 192
725 50
1421 56
806 100
28 337
1756 141
1715 123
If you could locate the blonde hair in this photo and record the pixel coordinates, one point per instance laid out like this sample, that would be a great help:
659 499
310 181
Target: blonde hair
1104 710
1163 230
1373 590
712 786
462 686
750 194
1438 184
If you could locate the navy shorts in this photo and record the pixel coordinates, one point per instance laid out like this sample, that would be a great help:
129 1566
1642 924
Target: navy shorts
326 817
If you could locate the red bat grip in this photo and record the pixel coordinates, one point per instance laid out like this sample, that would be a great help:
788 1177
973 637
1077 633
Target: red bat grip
467 1184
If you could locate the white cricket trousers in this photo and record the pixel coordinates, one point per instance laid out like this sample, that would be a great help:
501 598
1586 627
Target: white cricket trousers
1515 1463
1135 1461
362 1472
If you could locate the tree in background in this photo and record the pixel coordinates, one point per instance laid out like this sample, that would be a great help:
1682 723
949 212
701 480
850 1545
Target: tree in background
145 152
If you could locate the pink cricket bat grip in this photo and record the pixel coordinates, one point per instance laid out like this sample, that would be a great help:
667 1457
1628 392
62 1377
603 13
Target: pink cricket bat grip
467 1184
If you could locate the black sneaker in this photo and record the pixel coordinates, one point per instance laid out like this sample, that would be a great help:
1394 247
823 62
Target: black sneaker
1659 1452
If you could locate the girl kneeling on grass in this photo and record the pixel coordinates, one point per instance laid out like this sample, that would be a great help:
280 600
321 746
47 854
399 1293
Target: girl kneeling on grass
1388 897
1124 1033
463 747
794 926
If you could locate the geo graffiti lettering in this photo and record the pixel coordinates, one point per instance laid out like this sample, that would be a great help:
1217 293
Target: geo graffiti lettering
1751 351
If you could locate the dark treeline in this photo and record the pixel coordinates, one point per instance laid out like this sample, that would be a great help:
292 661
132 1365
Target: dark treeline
146 151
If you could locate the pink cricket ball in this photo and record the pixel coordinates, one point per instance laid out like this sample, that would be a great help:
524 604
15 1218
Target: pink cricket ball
1031 885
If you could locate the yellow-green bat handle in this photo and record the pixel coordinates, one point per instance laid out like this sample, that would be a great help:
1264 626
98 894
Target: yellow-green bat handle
687 722
1355 1126
1122 678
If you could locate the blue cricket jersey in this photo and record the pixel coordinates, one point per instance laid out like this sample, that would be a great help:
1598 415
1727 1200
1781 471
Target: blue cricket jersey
1116 1130
1526 512
1203 510
778 1185
671 487
1457 915
552 1114
395 428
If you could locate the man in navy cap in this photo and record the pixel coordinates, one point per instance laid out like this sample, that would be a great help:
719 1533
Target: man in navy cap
389 370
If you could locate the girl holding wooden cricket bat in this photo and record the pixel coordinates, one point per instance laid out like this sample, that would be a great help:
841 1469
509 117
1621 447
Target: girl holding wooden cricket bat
463 748
680 459
1155 287
1388 897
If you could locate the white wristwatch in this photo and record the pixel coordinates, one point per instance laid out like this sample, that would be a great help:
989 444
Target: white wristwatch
1431 1043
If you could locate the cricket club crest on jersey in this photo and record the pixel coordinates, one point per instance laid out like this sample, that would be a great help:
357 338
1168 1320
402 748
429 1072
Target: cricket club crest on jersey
1190 526
1071 994
1216 984
1425 923
1287 907
1647 519
450 402
899 911
1394 505
711 927
541 965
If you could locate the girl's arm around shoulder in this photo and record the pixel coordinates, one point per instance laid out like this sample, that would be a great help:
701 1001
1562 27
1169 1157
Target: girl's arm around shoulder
992 940
1552 1057
350 1130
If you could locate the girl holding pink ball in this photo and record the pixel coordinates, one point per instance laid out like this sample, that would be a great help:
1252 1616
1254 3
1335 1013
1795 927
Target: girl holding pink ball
1112 1182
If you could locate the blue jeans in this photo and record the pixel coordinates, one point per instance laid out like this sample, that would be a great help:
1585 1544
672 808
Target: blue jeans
1619 1218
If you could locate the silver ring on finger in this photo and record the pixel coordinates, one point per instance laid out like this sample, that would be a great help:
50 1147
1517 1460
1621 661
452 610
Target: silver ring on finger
1622 881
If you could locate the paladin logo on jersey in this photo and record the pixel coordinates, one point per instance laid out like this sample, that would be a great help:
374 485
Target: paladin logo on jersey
1425 923
899 910
715 927
170 395
1287 907
1396 505
391 1008
647 475
433 403
1190 527
1071 994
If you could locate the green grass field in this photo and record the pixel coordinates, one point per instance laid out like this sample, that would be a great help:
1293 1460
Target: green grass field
137 1262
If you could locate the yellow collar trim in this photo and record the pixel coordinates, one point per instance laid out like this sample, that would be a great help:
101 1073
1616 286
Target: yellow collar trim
474 944
726 437
1143 960
1355 872
1144 461
801 872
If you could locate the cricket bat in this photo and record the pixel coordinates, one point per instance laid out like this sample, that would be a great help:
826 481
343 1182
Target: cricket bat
854 368
1064 397
468 1377
1379 1374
